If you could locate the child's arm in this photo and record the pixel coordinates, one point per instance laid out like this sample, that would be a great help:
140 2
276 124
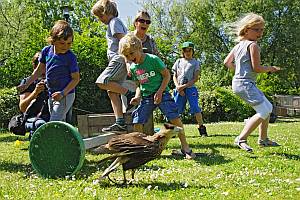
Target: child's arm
60 94
119 35
255 61
166 78
27 97
228 62
137 98
41 68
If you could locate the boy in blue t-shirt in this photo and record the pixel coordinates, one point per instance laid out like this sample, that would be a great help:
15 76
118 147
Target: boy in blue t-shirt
153 77
113 77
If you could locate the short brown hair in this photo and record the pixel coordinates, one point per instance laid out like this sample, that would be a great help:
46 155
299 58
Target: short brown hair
61 29
105 7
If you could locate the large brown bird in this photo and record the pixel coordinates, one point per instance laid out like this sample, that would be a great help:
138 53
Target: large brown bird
135 149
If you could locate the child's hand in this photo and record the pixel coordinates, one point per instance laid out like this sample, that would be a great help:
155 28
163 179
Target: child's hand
135 101
56 96
157 97
182 93
274 68
180 88
39 87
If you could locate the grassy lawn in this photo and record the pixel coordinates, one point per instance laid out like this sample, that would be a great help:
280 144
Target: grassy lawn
221 171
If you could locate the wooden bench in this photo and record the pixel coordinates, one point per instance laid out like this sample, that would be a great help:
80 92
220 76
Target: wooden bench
286 105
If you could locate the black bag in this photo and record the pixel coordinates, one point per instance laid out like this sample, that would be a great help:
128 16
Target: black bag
17 125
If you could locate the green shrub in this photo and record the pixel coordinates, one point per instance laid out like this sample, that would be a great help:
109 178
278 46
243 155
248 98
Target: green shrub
9 101
222 105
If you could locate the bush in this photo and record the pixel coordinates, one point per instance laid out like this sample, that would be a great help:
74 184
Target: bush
9 101
222 105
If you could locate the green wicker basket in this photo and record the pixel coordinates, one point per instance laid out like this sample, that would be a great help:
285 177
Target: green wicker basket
56 150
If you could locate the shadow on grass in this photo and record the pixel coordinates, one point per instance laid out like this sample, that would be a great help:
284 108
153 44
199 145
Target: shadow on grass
286 155
15 167
160 186
217 135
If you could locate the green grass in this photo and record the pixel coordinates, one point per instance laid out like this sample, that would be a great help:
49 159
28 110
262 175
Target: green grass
221 171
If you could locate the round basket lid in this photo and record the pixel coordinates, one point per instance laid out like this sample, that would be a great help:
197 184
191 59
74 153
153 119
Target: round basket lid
56 150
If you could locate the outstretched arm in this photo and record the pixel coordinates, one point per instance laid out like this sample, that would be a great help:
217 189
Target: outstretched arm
166 78
255 61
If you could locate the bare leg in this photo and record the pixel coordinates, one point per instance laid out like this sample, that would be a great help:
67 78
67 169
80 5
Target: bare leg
138 127
182 138
199 119
116 103
113 86
250 126
263 129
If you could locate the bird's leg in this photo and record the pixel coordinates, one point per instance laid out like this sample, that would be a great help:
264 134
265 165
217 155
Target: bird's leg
112 167
124 176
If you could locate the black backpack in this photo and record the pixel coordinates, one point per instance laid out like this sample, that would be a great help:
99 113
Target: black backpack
17 125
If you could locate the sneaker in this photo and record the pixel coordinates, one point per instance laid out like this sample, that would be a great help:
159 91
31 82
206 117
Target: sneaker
129 96
242 144
115 127
267 143
202 131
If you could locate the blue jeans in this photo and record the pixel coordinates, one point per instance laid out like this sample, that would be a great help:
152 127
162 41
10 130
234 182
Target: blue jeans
33 123
58 109
167 106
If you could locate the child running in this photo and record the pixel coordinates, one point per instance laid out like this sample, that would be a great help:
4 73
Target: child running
186 72
152 78
244 58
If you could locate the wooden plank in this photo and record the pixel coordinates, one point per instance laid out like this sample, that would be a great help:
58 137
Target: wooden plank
83 125
101 119
98 140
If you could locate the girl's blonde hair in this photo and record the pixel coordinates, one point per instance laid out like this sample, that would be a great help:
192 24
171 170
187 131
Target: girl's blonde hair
105 7
61 29
248 21
140 14
128 43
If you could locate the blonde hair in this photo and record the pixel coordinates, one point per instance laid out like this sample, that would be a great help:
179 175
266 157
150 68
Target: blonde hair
139 14
61 29
105 7
128 43
248 21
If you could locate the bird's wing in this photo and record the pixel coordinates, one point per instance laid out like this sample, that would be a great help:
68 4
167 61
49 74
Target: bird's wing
128 142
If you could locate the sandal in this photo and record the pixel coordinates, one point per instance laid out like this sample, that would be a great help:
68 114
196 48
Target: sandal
242 144
188 155
267 143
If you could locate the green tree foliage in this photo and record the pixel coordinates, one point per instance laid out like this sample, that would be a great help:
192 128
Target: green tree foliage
206 23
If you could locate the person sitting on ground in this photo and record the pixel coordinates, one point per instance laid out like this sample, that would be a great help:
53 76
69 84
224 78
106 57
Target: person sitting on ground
186 72
152 78
34 101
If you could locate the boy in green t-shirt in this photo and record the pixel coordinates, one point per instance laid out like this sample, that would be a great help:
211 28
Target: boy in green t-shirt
153 78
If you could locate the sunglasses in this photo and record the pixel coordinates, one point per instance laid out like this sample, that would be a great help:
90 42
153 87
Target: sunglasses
147 21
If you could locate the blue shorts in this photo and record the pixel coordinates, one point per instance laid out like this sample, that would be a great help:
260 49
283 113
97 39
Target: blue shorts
167 106
191 95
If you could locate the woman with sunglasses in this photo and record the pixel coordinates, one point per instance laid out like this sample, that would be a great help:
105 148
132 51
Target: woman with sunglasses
141 24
